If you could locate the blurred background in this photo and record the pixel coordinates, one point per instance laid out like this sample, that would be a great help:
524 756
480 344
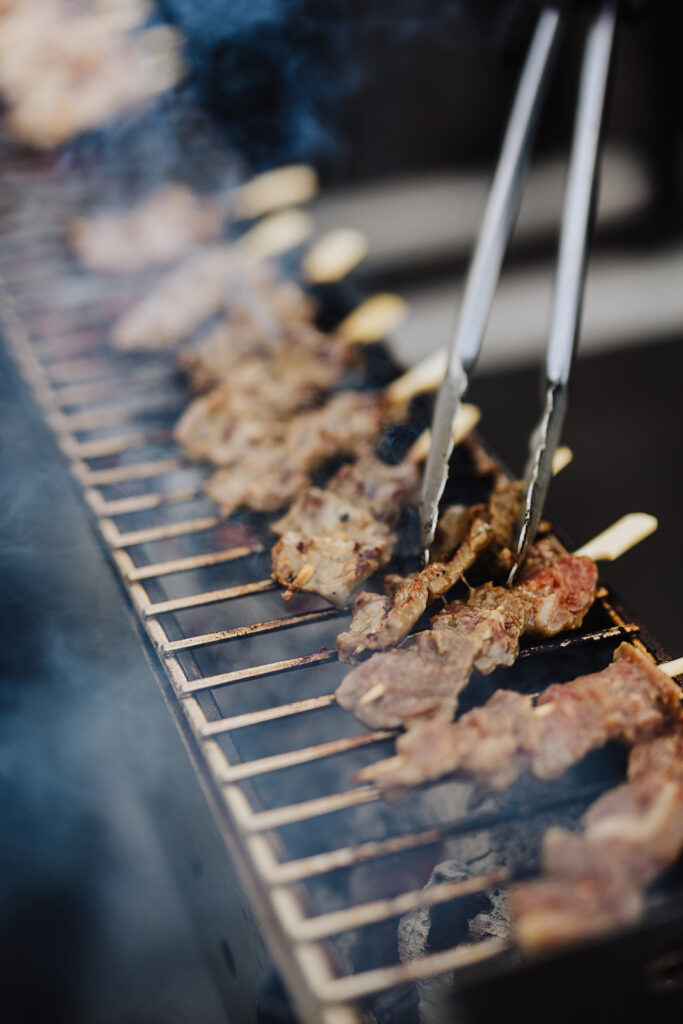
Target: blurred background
401 107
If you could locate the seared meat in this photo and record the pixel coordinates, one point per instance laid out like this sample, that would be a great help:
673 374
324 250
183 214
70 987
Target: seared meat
411 597
595 880
258 396
216 277
181 301
490 529
159 229
66 71
422 680
251 329
333 539
263 476
498 617
629 701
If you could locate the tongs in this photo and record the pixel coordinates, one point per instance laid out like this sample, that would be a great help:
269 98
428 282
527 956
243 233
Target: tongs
484 269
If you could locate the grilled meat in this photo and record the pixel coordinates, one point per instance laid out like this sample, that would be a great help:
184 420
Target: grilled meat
411 597
251 329
423 680
332 540
496 617
66 71
216 277
490 530
271 472
259 396
595 880
629 701
159 229
180 302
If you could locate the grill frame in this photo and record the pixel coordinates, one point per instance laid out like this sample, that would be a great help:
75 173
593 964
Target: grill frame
299 942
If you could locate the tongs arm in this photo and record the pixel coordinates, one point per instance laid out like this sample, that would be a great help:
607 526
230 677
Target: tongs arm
484 269
577 218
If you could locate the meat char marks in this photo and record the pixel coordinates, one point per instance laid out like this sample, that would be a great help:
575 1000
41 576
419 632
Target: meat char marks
332 539
595 880
553 594
629 701
488 530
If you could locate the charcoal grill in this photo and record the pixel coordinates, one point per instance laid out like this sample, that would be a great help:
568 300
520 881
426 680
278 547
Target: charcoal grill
336 880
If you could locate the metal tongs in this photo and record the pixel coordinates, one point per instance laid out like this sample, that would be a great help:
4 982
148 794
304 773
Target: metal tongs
484 270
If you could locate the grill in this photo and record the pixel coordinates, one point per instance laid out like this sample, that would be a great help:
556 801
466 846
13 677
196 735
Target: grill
365 907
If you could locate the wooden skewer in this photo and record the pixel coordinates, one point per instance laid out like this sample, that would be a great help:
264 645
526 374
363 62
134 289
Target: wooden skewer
561 459
374 319
273 190
277 234
334 255
466 420
426 375
620 537
672 668
639 526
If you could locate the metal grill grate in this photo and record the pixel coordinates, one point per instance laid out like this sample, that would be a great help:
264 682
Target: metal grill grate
326 862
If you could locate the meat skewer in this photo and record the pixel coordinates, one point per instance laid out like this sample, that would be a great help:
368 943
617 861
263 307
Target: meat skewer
422 680
595 880
276 465
629 701
191 294
481 531
333 539
486 528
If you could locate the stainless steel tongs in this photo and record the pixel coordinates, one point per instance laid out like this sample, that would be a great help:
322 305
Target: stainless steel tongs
484 270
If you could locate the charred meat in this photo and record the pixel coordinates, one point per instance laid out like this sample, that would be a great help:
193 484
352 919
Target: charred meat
259 396
216 277
65 71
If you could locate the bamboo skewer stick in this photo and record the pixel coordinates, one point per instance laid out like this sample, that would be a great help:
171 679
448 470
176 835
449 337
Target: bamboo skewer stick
276 234
467 418
273 190
334 255
620 537
374 319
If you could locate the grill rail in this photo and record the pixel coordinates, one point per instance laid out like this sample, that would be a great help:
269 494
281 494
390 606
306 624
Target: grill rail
84 387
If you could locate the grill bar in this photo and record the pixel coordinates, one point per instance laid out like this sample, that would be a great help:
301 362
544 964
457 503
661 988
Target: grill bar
363 914
305 755
152 533
191 562
209 597
222 635
258 671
